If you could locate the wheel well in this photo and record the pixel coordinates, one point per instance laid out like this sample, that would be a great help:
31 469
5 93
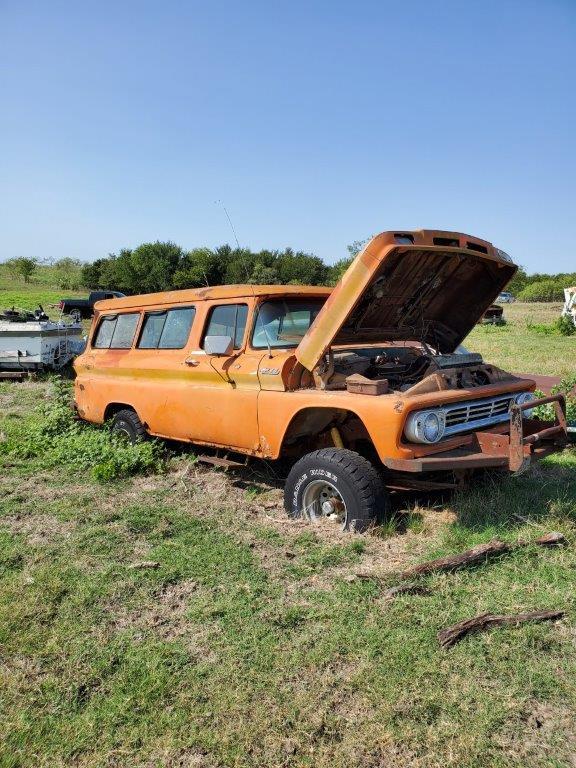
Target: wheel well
113 408
310 428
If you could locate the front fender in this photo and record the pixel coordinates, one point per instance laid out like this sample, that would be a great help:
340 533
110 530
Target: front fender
276 410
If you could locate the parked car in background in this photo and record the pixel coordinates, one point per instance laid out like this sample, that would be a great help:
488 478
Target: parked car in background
494 315
505 297
83 309
362 387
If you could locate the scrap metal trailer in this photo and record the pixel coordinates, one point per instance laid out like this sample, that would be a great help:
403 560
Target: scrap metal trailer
31 342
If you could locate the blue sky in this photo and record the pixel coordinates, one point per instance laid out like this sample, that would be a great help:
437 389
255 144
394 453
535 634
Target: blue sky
317 123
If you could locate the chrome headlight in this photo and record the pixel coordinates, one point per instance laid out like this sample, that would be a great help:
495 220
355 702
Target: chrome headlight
525 397
425 426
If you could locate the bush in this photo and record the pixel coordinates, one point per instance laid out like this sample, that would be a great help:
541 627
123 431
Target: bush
543 290
566 387
544 329
54 437
566 326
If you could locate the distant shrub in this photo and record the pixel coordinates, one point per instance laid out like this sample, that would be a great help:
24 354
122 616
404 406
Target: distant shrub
566 387
566 326
54 437
563 326
543 329
543 290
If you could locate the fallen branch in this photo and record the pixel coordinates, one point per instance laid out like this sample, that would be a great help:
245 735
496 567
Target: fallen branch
144 564
451 635
479 554
410 588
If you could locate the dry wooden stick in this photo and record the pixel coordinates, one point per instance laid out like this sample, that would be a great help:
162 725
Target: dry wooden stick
145 564
479 554
410 588
451 635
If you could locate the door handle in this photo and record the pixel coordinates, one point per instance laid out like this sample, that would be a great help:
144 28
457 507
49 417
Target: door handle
192 362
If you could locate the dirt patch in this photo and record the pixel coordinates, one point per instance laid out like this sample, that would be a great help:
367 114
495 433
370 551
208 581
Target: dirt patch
248 503
186 758
25 671
166 618
39 530
544 731
46 487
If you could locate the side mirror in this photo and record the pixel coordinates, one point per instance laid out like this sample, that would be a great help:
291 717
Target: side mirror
218 345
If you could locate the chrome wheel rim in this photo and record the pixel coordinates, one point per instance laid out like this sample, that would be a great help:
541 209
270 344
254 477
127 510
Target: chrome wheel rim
322 501
121 429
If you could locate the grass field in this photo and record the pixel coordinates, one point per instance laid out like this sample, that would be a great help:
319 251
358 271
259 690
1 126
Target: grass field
260 641
43 289
521 346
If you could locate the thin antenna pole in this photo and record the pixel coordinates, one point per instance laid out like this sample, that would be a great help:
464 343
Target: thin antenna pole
230 222
235 238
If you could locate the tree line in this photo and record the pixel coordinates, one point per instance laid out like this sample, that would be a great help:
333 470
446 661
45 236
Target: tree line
66 272
540 286
162 266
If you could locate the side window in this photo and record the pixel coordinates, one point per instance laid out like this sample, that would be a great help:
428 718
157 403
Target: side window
228 320
123 335
166 329
116 331
151 330
104 333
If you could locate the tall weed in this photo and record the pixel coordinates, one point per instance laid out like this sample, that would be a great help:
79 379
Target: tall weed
566 387
52 436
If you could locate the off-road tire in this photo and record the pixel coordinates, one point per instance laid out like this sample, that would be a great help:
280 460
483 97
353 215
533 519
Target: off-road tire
127 423
357 480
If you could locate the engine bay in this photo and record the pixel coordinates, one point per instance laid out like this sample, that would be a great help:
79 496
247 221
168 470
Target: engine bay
410 369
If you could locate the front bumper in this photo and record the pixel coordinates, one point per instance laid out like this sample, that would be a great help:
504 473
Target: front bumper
512 446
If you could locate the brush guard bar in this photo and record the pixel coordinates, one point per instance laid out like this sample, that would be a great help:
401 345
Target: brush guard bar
512 447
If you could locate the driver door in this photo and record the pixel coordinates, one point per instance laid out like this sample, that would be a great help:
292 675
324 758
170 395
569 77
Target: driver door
218 404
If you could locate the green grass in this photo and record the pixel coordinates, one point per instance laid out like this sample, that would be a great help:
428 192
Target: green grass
253 643
42 289
520 347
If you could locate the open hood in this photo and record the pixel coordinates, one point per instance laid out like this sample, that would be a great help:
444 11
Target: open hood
425 286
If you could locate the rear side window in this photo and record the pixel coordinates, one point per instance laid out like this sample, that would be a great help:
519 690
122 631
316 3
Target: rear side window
228 320
104 333
116 331
166 329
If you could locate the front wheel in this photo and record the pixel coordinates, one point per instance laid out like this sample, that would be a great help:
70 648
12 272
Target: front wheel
338 485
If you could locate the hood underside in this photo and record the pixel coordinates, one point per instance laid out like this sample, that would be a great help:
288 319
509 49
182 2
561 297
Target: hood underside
413 291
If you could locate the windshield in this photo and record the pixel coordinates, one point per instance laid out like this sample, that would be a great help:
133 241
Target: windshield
282 323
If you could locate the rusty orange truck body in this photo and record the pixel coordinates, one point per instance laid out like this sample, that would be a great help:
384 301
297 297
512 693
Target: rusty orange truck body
364 386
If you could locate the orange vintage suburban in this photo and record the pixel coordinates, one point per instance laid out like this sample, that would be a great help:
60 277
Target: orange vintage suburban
365 386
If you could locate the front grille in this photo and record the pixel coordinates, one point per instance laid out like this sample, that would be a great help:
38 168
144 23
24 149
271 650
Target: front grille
462 417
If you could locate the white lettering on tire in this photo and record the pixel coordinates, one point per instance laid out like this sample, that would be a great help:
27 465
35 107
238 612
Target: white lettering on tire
297 487
324 473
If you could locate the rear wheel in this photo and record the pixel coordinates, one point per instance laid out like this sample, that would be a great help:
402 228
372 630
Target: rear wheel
336 485
127 424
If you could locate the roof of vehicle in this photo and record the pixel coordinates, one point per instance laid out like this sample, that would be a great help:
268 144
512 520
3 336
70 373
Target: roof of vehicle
217 292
